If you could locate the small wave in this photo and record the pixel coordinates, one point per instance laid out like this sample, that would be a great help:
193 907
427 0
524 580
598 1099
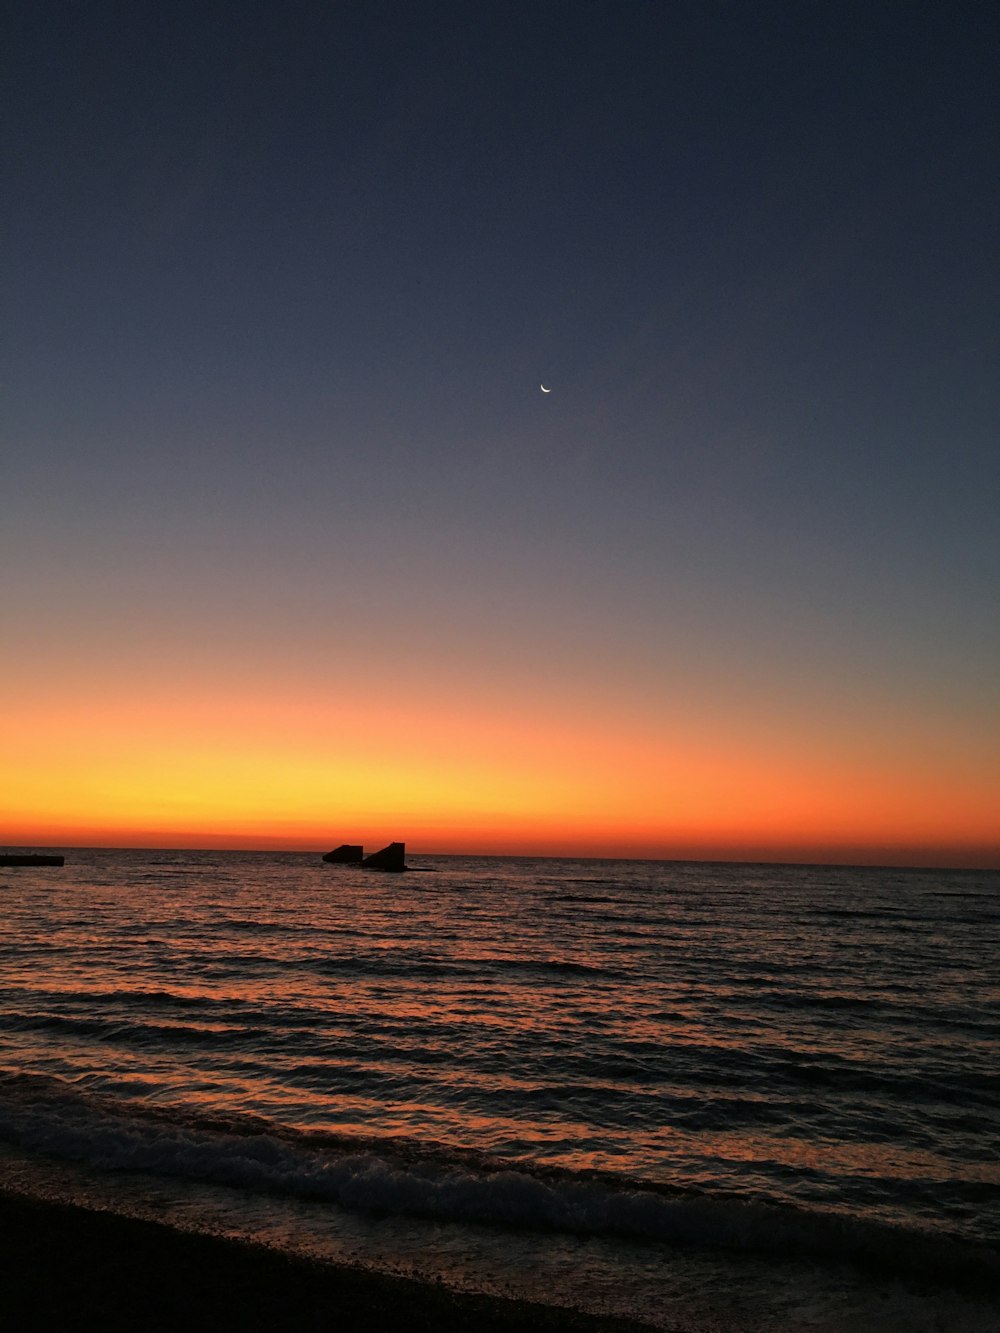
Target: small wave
396 965
598 898
130 1032
557 965
128 997
591 879
980 895
379 965
855 914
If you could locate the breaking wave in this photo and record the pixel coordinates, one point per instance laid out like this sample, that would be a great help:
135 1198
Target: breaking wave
400 1176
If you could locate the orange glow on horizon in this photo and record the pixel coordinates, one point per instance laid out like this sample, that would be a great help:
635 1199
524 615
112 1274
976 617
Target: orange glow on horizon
305 771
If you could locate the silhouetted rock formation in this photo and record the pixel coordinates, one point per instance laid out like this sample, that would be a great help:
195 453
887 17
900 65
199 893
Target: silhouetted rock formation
30 859
392 857
347 854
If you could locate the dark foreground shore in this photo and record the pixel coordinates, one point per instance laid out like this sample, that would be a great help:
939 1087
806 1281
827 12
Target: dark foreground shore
65 1267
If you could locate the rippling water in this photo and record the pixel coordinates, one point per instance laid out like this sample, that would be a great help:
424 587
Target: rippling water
641 1070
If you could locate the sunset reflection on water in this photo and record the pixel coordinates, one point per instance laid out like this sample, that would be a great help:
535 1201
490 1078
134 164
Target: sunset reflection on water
784 1032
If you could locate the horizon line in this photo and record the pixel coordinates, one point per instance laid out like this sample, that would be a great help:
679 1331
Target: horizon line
517 856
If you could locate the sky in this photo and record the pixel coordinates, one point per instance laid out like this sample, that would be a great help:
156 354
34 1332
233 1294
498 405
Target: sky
294 550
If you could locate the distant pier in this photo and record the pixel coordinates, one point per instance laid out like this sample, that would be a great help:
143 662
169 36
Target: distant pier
30 859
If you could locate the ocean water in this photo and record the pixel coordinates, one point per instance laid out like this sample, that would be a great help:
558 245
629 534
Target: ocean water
715 1096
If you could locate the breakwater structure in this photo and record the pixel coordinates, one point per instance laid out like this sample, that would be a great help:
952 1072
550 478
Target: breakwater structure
391 857
30 859
347 854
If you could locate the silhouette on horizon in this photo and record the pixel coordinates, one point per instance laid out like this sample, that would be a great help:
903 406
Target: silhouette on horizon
30 859
391 857
347 854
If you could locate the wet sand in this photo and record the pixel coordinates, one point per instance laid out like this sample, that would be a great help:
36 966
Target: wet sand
66 1267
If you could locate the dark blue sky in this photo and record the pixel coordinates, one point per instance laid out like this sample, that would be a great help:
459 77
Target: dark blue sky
281 282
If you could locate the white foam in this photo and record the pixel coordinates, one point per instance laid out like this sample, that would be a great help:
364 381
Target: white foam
44 1117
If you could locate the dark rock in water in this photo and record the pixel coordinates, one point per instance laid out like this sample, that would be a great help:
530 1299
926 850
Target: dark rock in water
392 857
30 859
347 854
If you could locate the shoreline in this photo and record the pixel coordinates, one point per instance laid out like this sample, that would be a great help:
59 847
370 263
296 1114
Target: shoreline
66 1266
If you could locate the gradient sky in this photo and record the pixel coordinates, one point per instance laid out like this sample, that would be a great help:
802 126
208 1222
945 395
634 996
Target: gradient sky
293 549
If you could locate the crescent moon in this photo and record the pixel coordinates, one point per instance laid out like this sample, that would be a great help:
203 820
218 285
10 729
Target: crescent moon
543 389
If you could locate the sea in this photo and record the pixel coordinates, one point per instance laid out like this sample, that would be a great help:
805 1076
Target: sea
714 1097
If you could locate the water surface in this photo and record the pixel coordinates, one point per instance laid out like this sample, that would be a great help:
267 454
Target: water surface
620 1075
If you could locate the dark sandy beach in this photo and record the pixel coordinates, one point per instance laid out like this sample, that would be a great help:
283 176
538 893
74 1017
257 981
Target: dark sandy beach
66 1267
